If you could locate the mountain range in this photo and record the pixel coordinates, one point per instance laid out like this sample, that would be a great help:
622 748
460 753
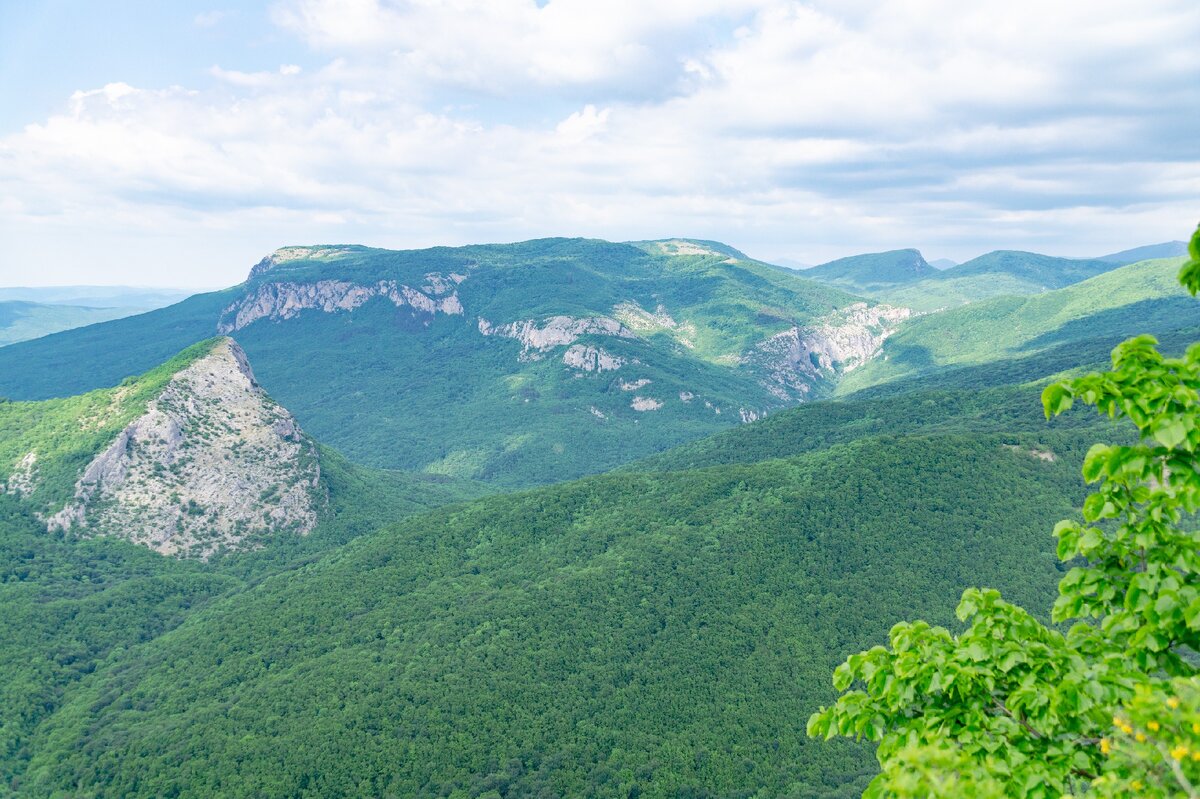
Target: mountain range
27 313
558 518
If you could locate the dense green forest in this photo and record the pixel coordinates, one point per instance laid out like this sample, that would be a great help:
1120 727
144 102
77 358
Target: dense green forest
1078 324
664 630
657 633
21 320
402 387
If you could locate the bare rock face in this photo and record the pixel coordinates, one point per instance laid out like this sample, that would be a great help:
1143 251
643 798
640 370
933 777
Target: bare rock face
660 320
645 404
286 300
24 478
284 254
212 464
591 359
841 342
557 331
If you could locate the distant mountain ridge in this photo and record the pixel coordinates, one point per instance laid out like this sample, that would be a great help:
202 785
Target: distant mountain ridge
142 297
874 271
1046 271
1168 249
1144 297
21 320
896 277
519 363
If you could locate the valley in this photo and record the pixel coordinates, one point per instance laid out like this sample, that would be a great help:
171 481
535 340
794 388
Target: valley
558 518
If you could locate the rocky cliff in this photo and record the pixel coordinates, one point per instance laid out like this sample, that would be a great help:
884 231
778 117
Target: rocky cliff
557 331
286 300
794 359
213 464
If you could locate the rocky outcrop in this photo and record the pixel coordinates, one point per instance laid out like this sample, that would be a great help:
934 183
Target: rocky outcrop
212 464
557 331
591 359
645 404
748 415
286 300
24 478
659 320
284 254
840 343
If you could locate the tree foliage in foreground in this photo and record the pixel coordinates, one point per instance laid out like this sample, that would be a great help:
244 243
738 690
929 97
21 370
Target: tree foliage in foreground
1013 708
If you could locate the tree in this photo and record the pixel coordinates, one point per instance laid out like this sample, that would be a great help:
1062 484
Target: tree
1012 708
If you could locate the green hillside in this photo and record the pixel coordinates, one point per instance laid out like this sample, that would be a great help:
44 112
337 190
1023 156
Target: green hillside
514 364
1168 249
102 355
1012 410
999 273
1142 297
873 272
660 634
71 603
67 433
20 321
664 631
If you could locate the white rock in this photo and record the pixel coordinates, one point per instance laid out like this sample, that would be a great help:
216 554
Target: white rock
556 331
286 300
213 463
591 359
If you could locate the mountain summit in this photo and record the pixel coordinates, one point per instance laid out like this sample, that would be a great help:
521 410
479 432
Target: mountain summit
208 462
874 271
517 363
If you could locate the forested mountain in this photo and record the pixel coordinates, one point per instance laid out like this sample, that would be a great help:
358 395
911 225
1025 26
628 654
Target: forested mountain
514 364
651 633
1075 325
236 608
21 320
864 274
1168 249
904 278
28 313
995 274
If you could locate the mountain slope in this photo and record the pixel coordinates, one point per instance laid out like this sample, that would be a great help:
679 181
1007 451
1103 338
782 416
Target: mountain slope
515 364
144 298
100 356
192 458
1013 411
1168 249
657 635
1139 298
999 273
20 321
873 272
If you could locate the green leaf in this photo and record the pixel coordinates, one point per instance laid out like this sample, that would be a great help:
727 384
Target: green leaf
1170 432
1095 461
1056 398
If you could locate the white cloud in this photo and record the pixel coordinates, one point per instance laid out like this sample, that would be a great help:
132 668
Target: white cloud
794 130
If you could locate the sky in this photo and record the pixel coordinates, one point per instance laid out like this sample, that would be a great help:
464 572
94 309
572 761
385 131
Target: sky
176 144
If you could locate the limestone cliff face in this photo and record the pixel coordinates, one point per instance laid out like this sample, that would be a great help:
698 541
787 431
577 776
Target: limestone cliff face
286 300
285 254
557 331
213 464
24 479
591 359
842 342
